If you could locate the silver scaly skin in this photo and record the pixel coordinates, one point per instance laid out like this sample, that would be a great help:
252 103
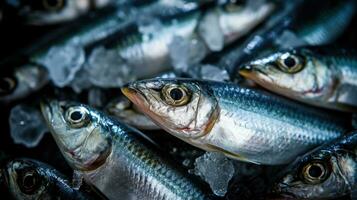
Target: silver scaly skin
113 157
28 179
242 123
148 44
318 76
327 172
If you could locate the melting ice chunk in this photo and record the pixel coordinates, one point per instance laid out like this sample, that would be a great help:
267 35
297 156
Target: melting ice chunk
214 73
185 53
216 170
27 126
81 81
62 63
106 69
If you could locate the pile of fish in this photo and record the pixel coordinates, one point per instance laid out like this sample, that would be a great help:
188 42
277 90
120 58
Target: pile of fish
180 99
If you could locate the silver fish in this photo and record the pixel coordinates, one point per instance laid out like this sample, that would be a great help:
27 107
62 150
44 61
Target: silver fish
21 82
115 158
327 172
30 179
242 123
316 75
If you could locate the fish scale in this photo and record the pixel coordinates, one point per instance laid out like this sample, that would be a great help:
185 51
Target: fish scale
251 125
133 162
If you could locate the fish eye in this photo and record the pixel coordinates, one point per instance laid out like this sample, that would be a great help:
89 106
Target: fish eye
175 95
315 172
7 85
77 116
29 182
290 63
53 5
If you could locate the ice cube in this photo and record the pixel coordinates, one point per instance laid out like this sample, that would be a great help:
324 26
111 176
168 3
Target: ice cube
186 52
289 39
210 30
81 81
27 126
214 73
106 69
216 170
62 63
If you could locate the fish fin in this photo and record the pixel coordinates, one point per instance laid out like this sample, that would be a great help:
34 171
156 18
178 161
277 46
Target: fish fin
77 179
230 154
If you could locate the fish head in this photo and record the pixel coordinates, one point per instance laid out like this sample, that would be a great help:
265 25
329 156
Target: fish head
79 132
321 175
181 107
26 179
21 82
44 12
295 73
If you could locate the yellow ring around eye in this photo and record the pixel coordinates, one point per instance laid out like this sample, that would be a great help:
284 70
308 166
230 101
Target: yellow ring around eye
77 116
315 172
175 95
290 63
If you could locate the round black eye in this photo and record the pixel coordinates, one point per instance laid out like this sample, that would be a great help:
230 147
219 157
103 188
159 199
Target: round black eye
176 94
53 4
290 63
315 172
7 85
77 116
30 182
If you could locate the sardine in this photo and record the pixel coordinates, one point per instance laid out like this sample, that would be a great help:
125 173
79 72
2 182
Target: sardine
327 172
320 76
289 29
147 44
46 12
124 110
30 179
242 123
115 158
21 82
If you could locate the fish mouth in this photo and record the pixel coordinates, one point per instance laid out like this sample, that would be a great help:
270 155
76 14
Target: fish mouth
134 95
47 110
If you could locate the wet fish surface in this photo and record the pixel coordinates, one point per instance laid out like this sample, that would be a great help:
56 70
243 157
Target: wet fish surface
320 76
116 159
242 123
328 172
30 179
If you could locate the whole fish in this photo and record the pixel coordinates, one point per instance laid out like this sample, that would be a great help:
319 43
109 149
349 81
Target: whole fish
124 110
289 29
46 12
327 172
113 157
320 76
147 44
20 82
30 179
242 123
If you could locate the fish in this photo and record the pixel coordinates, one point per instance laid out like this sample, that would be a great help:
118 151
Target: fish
243 123
147 44
124 110
30 179
21 81
320 76
49 12
115 158
327 172
289 29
